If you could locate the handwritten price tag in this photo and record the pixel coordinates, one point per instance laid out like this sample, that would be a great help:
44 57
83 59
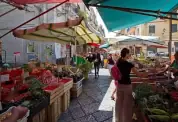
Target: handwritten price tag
4 78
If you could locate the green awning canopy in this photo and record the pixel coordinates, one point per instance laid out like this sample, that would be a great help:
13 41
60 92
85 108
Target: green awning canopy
116 20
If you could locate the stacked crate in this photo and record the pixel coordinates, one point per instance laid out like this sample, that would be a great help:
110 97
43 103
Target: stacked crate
54 109
59 101
41 116
66 95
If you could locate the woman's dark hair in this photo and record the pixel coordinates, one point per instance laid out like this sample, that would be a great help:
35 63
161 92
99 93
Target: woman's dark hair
176 53
124 52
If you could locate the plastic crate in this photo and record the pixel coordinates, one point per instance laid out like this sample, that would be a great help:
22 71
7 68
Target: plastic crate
77 85
24 119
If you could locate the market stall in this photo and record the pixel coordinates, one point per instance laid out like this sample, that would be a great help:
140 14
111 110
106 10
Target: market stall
156 96
45 89
41 92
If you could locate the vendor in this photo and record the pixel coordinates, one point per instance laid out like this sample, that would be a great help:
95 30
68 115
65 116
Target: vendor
174 66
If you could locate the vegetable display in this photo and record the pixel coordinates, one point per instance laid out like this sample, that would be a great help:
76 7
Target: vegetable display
157 106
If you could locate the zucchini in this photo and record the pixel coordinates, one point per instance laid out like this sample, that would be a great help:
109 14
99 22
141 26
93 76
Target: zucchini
175 116
157 111
162 118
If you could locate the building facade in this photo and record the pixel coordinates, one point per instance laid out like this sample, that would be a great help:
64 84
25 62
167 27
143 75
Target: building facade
30 49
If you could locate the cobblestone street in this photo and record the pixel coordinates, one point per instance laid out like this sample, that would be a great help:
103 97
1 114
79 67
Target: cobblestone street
94 104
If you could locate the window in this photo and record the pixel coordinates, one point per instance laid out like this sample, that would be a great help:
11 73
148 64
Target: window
174 28
138 31
152 29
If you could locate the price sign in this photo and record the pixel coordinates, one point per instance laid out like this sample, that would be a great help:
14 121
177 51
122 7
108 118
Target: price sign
4 78
16 53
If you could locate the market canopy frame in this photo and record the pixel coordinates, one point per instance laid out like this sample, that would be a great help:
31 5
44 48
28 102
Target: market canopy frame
151 41
71 31
117 20
25 2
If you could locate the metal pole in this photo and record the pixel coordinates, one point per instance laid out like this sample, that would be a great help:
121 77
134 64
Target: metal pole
170 38
8 12
34 18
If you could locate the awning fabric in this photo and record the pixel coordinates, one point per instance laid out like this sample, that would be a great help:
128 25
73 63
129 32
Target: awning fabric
94 44
117 20
105 45
63 32
24 2
158 46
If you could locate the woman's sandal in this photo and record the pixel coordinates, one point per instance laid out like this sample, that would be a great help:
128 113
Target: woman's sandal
112 98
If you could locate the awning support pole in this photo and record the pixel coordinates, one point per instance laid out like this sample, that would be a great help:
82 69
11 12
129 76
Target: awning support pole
34 18
8 12
170 38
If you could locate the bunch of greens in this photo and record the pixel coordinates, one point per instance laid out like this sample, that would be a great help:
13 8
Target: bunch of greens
36 88
142 91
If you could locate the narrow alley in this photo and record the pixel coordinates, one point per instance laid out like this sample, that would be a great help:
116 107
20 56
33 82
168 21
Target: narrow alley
94 104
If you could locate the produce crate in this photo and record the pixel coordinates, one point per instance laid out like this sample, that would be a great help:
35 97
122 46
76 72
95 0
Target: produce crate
77 85
76 93
40 117
67 85
54 110
54 94
65 100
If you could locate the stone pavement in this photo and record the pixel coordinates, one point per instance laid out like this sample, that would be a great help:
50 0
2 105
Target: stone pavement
94 104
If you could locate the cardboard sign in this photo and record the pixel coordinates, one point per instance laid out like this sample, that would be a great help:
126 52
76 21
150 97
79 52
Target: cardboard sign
4 78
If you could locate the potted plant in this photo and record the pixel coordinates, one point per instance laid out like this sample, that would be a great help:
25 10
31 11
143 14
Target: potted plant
85 68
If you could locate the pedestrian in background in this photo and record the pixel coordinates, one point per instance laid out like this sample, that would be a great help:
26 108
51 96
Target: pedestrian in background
110 62
97 62
102 60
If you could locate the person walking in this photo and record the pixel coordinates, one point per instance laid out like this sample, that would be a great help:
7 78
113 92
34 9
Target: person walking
124 100
102 60
97 62
90 57
110 62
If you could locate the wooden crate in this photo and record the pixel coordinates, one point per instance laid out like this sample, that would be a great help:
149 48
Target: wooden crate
68 85
65 101
56 93
54 110
40 117
76 93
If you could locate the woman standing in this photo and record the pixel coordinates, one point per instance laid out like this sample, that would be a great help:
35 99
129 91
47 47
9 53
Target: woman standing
123 109
110 62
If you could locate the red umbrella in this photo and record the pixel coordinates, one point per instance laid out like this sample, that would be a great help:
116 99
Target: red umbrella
24 2
94 44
